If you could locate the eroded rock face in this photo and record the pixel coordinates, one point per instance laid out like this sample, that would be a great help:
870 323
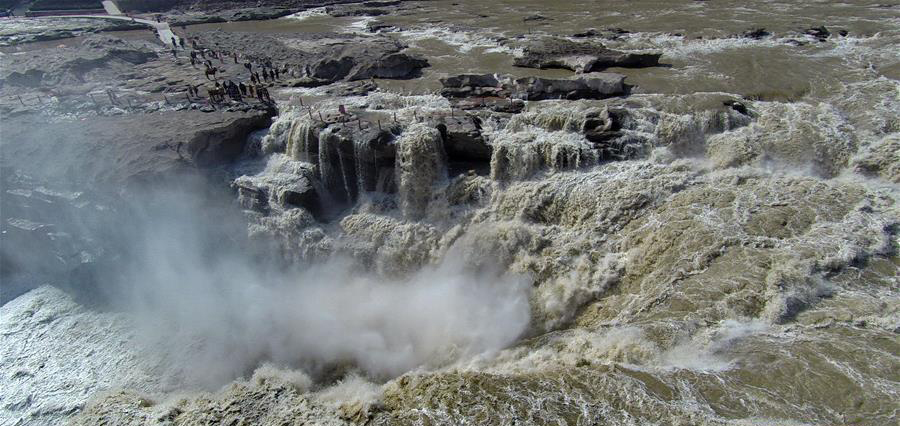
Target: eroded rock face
129 148
325 57
592 86
580 57
595 86
463 139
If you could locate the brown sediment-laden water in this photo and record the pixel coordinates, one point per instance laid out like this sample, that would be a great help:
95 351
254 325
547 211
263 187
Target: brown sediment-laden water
712 242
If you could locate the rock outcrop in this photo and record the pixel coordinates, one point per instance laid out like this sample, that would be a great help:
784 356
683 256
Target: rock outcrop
324 57
592 86
127 149
106 56
580 57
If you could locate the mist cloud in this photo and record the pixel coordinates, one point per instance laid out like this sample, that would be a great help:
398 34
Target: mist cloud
211 307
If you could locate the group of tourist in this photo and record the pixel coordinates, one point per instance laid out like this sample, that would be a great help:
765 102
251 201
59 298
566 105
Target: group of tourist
256 87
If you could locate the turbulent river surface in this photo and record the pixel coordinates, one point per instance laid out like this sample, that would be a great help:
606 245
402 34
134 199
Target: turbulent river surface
726 255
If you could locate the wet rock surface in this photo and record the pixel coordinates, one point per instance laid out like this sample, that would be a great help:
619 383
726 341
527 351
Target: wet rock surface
589 86
579 56
324 56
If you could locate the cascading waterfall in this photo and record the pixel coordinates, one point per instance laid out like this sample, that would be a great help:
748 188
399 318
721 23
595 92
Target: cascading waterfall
302 141
337 169
518 156
421 165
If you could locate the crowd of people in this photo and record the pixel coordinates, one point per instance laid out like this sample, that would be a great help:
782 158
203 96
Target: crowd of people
254 84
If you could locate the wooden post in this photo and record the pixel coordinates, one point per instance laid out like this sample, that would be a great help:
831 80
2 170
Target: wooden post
309 110
300 98
379 125
395 116
167 99
320 116
20 100
359 123
40 101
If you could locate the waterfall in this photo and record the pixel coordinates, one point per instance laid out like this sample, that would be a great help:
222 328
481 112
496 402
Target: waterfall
302 141
421 165
518 156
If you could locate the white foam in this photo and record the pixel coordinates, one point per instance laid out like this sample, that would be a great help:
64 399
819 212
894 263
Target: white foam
306 14
55 354
464 41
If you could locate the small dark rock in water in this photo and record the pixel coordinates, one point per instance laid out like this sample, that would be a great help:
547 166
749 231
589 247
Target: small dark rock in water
589 33
375 27
843 33
819 33
343 12
534 18
381 3
795 42
737 106
757 34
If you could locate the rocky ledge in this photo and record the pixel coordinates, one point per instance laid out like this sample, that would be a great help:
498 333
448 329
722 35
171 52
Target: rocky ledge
591 86
131 148
553 52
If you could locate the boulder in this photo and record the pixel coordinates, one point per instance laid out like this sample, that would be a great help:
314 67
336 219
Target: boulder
463 140
534 18
818 33
579 56
377 26
472 85
361 61
597 86
471 80
756 34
